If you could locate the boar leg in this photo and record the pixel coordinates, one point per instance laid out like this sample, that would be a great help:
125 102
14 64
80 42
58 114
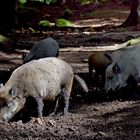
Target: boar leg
134 86
40 106
136 90
100 79
91 79
65 92
66 101
56 106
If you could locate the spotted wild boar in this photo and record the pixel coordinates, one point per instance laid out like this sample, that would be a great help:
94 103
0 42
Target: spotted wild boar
42 79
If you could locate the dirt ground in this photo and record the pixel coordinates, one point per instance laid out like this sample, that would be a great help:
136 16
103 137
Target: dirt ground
91 116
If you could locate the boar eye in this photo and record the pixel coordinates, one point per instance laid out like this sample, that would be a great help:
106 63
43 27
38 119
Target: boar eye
110 77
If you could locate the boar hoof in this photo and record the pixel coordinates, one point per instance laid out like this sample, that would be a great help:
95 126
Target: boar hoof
40 121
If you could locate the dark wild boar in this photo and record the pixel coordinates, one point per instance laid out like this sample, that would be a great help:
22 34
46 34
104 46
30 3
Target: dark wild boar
45 48
99 60
97 63
125 66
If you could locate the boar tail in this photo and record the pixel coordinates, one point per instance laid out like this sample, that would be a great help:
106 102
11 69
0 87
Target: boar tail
81 82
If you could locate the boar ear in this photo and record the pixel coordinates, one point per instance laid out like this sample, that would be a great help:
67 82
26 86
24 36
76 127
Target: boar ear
23 56
108 56
116 69
13 92
1 85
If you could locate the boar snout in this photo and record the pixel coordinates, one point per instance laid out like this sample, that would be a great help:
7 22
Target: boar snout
109 89
11 108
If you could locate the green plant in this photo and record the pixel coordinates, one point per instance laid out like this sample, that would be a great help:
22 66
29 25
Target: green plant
83 2
45 23
63 23
42 1
133 41
50 1
22 1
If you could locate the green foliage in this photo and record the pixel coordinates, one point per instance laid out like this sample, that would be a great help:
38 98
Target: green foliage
42 1
83 2
6 42
133 41
63 23
45 23
22 1
39 0
50 1
59 23
45 1
3 39
32 30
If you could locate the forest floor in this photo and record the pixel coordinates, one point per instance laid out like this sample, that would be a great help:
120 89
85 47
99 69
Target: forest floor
92 115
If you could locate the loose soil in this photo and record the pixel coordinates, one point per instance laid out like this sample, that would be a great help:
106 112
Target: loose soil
91 116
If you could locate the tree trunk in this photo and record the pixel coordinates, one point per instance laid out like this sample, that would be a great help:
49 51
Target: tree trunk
8 15
134 16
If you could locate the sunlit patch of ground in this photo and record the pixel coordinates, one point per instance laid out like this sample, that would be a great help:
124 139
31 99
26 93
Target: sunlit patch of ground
103 17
